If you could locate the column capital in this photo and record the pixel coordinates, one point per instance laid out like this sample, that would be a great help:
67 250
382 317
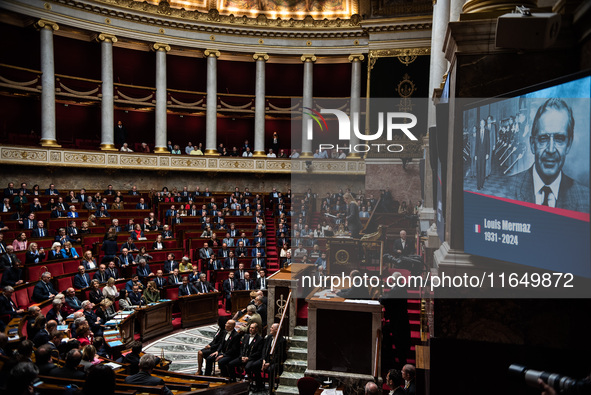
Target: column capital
308 58
357 57
260 56
161 47
45 24
212 53
109 38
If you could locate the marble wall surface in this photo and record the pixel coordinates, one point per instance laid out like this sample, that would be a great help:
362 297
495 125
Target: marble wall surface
405 183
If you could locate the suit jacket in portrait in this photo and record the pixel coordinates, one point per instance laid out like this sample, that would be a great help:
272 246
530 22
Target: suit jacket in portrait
188 289
571 195
42 290
81 281
144 378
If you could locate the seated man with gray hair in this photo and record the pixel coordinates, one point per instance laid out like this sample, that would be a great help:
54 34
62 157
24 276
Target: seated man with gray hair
44 289
144 377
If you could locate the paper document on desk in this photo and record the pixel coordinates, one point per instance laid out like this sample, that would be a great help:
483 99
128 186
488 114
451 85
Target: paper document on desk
332 391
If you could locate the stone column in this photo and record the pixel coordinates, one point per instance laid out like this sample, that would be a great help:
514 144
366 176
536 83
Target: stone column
161 97
107 104
455 10
437 69
259 106
307 101
211 115
355 100
48 130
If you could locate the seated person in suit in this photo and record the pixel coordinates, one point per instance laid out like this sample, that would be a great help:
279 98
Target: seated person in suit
12 276
135 296
101 275
130 245
170 264
144 377
186 288
402 247
185 265
71 300
93 320
251 345
69 371
160 281
166 232
241 251
126 259
241 272
44 289
223 252
246 284
141 205
175 278
213 263
203 286
82 279
134 281
261 282
112 271
143 270
258 260
40 231
7 305
206 252
228 349
151 294
230 262
210 347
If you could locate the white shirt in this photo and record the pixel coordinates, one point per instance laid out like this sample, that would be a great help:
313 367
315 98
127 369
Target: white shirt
247 154
272 155
295 155
539 184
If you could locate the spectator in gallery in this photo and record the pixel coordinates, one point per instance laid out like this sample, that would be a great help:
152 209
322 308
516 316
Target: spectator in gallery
145 148
220 148
247 153
169 146
294 154
189 148
176 150
225 152
234 152
363 213
125 148
197 150
275 142
120 133
246 146
271 154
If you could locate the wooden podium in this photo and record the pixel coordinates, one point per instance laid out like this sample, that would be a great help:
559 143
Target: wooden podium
241 299
199 309
127 329
155 320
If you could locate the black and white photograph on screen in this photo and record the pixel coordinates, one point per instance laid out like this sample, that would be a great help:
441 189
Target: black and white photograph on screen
530 148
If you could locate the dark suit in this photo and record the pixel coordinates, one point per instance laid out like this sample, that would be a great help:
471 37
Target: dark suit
262 284
161 282
144 378
29 224
228 348
66 373
8 307
571 195
8 260
169 266
247 285
38 233
482 149
135 298
174 280
253 350
228 286
81 281
203 287
408 248
73 302
188 289
41 337
101 277
11 276
42 290
353 220
239 275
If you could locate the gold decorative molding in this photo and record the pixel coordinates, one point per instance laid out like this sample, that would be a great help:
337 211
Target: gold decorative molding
50 143
115 160
109 38
260 56
259 154
45 24
160 150
356 57
161 47
308 58
401 52
108 147
212 53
